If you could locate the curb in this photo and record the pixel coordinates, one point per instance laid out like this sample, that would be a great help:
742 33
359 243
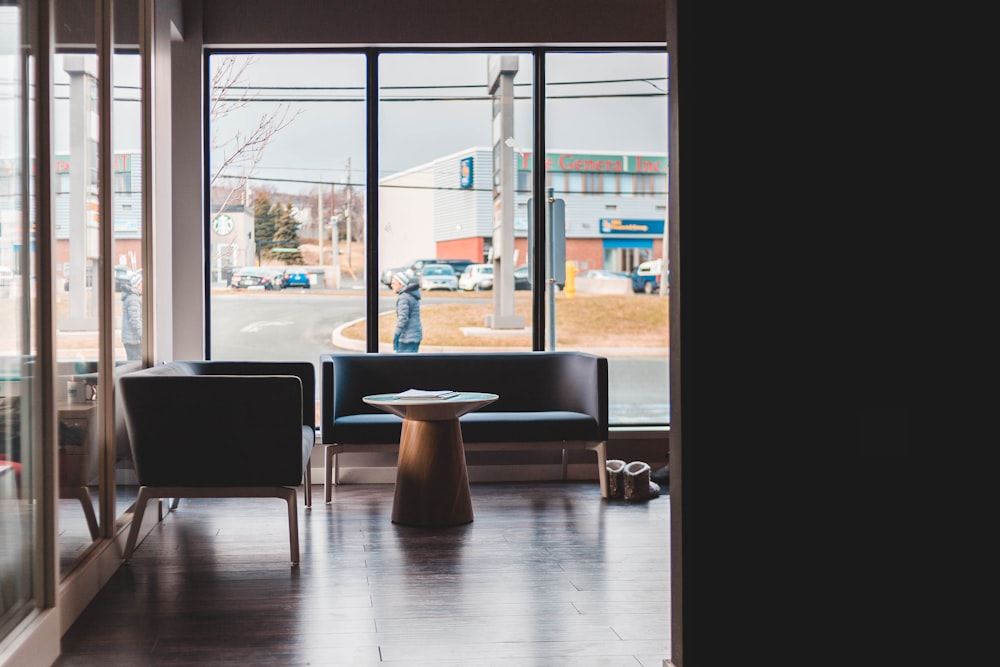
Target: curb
338 339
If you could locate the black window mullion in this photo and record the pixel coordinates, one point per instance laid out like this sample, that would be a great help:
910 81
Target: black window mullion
538 205
371 200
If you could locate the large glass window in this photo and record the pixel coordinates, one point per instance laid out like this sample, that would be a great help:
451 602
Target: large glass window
287 190
76 240
605 119
19 397
454 186
128 282
451 130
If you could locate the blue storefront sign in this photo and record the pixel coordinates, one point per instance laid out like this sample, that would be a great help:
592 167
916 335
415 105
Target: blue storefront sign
465 172
618 226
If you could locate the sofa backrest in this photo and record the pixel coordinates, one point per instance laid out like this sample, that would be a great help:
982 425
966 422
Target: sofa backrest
524 381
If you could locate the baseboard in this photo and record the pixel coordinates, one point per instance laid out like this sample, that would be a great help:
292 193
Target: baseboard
35 644
477 473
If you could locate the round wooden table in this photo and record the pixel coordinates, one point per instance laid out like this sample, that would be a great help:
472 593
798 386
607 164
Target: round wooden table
432 481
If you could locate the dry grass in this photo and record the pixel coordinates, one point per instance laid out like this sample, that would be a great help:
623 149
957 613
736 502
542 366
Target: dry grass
585 320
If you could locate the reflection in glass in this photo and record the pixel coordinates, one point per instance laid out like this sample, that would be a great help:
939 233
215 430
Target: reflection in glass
76 263
18 395
127 241
606 163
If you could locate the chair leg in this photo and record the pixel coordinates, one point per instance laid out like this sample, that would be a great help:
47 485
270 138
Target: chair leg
133 531
293 526
83 494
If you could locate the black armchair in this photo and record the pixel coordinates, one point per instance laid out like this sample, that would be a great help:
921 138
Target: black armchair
220 429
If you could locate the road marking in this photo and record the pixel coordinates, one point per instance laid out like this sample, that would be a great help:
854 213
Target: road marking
254 327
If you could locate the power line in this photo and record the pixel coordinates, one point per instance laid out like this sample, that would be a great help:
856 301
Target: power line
411 187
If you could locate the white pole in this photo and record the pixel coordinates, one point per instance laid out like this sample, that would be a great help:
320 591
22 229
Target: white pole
319 217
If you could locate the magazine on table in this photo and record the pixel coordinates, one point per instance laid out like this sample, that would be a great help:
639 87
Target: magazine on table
423 394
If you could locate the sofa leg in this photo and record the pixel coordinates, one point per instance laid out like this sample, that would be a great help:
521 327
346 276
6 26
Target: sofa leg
602 466
565 463
328 474
307 487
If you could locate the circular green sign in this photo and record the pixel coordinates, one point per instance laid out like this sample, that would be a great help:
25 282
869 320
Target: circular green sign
222 224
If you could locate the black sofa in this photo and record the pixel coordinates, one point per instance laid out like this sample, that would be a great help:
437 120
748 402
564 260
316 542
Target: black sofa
548 400
220 429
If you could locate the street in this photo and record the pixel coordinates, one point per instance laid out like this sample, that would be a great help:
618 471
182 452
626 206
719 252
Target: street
289 326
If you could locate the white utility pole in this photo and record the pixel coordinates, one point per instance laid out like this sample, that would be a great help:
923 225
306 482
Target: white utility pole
347 211
319 217
501 71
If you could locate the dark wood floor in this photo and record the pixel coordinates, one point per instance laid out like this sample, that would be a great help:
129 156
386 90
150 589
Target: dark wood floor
547 574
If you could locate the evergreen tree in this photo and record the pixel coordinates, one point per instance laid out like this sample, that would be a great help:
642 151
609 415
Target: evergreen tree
286 230
264 223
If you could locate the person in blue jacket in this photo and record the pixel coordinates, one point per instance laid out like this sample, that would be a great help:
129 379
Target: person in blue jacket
409 331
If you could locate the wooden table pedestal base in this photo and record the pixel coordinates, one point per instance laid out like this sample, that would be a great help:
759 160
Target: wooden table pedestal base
432 481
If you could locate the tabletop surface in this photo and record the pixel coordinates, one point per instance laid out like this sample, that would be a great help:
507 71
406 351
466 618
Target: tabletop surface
431 409
459 397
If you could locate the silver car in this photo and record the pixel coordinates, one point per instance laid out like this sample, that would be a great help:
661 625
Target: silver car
438 276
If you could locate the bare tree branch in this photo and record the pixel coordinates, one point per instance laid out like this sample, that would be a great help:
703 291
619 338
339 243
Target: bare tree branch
243 151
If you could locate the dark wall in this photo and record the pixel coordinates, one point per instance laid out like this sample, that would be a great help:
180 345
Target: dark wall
381 22
76 21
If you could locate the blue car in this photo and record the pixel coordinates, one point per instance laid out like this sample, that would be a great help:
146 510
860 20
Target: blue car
295 278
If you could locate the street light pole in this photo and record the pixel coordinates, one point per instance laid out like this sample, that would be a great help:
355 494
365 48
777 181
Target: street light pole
550 281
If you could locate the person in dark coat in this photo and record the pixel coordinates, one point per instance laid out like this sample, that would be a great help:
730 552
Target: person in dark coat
409 331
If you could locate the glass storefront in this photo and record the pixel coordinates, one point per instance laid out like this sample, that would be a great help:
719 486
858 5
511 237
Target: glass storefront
19 395
452 190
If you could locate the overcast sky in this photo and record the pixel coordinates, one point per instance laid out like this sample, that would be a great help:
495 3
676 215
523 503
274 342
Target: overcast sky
420 119
325 134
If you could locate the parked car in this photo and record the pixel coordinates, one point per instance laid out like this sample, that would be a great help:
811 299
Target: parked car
602 274
476 277
296 278
438 276
646 277
522 279
256 276
414 268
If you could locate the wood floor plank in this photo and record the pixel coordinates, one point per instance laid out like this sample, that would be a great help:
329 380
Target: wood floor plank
547 574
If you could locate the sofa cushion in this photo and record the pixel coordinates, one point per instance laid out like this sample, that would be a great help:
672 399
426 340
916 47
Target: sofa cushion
538 426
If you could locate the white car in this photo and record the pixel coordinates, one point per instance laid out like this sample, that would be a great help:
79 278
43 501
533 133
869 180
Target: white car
476 277
438 276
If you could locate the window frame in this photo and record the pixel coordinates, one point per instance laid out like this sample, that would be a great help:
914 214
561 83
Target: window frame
541 179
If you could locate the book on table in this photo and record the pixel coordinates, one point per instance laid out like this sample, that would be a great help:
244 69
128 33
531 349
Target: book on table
424 394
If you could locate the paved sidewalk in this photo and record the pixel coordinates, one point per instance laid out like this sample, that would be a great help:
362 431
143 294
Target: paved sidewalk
355 345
